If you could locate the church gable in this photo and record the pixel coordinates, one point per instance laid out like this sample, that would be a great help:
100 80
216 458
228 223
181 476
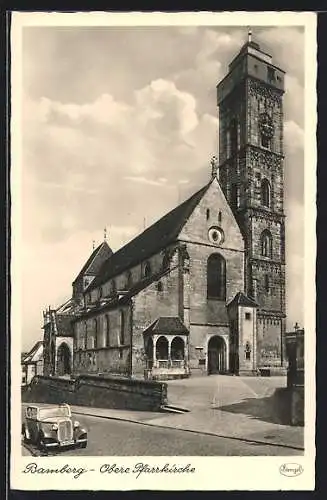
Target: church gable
212 222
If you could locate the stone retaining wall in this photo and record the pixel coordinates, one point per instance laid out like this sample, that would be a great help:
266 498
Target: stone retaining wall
98 392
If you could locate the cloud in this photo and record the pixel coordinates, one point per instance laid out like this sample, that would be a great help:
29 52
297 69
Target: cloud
143 180
294 136
111 116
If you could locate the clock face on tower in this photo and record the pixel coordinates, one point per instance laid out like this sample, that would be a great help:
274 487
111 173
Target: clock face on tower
266 125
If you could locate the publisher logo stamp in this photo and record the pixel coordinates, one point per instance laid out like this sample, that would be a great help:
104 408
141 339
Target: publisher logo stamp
291 469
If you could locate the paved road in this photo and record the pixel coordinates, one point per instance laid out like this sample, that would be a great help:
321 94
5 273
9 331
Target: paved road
117 438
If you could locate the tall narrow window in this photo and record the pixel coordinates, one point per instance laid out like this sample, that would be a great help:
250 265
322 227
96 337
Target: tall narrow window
248 351
265 142
219 217
228 144
122 328
105 333
216 277
234 196
85 335
265 193
208 213
266 283
271 74
234 137
266 244
129 280
95 334
147 269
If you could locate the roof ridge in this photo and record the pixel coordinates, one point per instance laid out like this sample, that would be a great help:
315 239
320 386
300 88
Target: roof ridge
90 260
155 237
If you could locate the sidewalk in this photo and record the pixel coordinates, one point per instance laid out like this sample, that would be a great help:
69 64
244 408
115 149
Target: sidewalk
224 406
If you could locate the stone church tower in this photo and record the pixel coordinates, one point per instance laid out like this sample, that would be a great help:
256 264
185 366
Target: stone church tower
251 173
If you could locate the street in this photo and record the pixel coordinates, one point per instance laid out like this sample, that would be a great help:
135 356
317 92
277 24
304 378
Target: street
109 437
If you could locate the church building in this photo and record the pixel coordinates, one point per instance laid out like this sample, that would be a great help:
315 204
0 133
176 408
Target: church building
203 288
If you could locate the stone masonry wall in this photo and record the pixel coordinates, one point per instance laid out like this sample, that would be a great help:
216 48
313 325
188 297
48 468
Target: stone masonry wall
95 355
99 392
209 316
150 304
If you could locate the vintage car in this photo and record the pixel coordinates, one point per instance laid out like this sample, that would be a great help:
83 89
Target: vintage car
52 426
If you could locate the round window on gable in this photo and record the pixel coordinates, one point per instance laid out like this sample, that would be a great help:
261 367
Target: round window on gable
216 235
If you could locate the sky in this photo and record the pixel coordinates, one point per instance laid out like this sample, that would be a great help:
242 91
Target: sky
119 126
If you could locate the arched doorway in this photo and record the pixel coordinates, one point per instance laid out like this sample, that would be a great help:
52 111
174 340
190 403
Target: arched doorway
64 365
216 355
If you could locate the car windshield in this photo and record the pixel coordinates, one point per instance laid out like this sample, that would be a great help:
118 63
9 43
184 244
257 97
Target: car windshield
55 411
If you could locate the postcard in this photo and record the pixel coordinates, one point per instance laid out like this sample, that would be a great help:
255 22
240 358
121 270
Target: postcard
163 183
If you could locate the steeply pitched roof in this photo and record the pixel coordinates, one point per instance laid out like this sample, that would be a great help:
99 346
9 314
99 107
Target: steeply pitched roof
35 353
67 308
92 265
242 300
152 240
166 325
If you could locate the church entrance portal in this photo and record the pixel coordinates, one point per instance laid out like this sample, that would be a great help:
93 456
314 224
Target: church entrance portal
63 360
216 355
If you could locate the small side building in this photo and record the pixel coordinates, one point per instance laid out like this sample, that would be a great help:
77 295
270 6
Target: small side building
32 363
58 338
295 374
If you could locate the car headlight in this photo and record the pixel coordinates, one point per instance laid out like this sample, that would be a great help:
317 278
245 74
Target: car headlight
76 423
55 427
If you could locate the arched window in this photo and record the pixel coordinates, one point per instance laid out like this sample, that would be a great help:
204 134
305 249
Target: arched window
208 213
95 335
85 335
177 349
266 244
219 216
105 331
265 193
162 348
147 269
122 328
216 277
